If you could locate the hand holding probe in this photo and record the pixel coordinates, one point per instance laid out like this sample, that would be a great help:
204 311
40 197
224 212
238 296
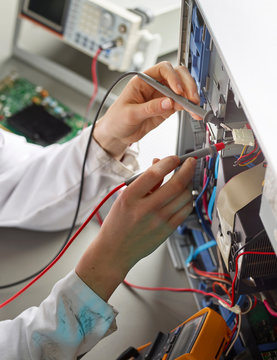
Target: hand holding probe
188 105
197 154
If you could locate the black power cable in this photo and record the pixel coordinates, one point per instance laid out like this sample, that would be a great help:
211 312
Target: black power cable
81 183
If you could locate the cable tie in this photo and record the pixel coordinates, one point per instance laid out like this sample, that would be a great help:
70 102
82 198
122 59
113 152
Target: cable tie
235 309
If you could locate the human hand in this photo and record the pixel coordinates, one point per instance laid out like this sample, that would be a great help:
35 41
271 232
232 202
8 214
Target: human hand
140 108
141 218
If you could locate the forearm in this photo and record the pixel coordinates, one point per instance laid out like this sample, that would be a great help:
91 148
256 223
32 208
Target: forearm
101 268
67 324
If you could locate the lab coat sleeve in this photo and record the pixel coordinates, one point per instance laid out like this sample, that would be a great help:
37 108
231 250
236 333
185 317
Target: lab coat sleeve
66 325
40 186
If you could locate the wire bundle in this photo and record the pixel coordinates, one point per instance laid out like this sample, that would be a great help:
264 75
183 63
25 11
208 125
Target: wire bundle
218 281
199 202
247 159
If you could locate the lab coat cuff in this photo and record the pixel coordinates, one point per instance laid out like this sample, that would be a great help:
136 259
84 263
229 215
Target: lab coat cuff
88 296
125 168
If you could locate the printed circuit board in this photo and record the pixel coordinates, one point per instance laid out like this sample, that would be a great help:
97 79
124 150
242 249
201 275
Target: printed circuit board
28 109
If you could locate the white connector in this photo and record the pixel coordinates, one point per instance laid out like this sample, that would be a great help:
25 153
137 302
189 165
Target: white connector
243 137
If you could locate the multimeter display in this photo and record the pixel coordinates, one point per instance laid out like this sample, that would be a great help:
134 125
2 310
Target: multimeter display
202 336
187 337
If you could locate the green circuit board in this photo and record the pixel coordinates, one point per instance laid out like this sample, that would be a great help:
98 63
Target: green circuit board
29 110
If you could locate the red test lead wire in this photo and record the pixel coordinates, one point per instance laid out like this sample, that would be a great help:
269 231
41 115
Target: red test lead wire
197 291
94 81
65 248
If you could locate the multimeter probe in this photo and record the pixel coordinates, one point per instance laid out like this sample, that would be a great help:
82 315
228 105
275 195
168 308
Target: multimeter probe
197 154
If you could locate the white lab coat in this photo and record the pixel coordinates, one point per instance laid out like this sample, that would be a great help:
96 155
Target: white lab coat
66 325
39 189
39 186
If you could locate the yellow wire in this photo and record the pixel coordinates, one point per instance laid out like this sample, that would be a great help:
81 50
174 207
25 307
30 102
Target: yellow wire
243 150
249 162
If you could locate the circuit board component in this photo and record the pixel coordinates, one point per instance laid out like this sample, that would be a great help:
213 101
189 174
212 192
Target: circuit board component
27 109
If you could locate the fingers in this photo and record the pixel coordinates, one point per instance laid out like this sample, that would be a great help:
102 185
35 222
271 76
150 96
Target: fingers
190 88
155 161
172 202
163 107
176 204
151 178
180 216
165 72
174 188
179 80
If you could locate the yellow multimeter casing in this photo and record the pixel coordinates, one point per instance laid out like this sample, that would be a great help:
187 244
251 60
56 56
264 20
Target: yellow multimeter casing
208 333
202 336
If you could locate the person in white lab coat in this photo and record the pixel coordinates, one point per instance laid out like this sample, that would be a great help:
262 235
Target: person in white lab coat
39 189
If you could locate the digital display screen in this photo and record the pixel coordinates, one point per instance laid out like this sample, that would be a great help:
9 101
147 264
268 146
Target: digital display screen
187 337
50 12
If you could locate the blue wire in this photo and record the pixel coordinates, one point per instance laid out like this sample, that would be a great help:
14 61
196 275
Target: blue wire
210 163
216 167
203 247
211 203
189 258
212 198
200 213
204 224
193 254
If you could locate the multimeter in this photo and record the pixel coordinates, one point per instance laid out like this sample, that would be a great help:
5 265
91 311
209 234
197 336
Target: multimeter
202 336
